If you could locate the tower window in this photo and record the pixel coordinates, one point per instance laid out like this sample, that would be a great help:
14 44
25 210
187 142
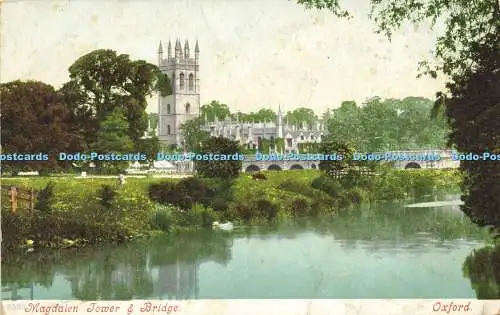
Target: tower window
301 137
191 82
168 108
188 108
181 81
168 130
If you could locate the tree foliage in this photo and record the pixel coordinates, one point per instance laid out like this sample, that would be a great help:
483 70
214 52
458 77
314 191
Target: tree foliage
36 119
214 110
301 115
343 149
467 24
381 125
474 112
193 135
112 137
219 169
103 81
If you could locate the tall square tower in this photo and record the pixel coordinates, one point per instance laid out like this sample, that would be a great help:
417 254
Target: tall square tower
184 102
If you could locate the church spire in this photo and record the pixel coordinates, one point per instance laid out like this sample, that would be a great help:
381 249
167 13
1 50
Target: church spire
160 54
178 49
169 49
196 51
186 50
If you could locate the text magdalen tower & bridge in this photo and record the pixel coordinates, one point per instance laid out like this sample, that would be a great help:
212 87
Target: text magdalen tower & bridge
183 104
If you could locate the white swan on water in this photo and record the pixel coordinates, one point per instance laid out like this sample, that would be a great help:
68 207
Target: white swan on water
228 226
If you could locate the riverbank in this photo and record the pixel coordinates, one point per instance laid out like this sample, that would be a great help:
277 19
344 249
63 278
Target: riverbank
73 212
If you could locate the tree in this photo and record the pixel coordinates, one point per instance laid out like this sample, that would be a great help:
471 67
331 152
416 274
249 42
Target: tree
344 151
219 169
301 115
113 137
213 110
474 112
467 24
35 119
381 125
149 146
153 118
102 81
193 135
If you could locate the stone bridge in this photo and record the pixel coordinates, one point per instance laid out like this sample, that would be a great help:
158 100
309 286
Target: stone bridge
438 159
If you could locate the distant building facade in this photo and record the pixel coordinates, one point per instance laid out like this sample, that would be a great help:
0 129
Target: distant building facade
183 70
249 134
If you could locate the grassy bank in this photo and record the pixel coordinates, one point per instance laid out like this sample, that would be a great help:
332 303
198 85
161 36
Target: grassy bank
75 212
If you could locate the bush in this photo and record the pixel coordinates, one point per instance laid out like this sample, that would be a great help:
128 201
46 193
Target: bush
169 193
162 218
196 217
240 210
356 195
267 209
196 189
259 176
300 206
106 196
45 198
327 185
225 169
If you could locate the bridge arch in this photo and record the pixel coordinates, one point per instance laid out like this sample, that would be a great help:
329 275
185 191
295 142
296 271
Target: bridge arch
296 167
314 166
274 167
252 168
412 165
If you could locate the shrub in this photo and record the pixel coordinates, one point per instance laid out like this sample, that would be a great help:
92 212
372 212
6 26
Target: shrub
169 193
259 176
45 198
106 196
196 189
240 210
267 209
197 216
162 218
225 169
356 195
328 185
300 206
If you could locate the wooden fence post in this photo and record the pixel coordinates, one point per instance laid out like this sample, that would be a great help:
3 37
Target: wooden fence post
32 199
13 198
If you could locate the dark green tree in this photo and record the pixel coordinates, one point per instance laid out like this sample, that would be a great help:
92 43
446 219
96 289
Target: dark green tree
149 146
36 119
474 111
213 110
343 150
301 115
193 135
113 137
102 81
219 169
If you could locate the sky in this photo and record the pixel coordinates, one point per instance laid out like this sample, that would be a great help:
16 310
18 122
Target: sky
253 53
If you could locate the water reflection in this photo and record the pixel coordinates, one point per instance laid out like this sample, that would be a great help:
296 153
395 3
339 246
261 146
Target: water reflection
482 267
363 254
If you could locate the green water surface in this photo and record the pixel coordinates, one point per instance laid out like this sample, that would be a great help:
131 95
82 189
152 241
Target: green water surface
388 251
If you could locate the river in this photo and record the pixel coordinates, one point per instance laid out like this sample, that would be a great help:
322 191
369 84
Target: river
387 251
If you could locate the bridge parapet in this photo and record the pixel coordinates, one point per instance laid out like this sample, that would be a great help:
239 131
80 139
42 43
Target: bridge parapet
443 161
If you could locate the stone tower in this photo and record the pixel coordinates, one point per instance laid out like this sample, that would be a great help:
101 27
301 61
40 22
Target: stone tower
184 104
